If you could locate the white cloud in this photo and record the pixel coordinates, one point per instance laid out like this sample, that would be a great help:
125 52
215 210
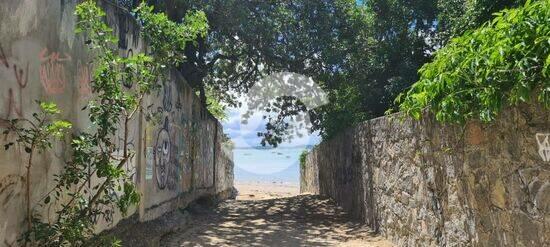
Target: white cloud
245 133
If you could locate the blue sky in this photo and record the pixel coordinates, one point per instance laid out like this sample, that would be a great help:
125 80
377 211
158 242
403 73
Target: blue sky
245 135
249 156
251 164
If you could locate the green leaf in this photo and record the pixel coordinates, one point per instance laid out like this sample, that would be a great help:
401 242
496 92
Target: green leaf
49 108
476 72
7 146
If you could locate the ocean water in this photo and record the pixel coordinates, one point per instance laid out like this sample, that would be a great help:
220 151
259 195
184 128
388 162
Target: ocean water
278 164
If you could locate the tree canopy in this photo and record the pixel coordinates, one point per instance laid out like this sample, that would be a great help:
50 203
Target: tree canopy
363 54
504 62
459 16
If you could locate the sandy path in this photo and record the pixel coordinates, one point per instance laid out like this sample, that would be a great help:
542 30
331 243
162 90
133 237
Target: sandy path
265 190
303 220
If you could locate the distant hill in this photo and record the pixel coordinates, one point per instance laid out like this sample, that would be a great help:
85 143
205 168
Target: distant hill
291 175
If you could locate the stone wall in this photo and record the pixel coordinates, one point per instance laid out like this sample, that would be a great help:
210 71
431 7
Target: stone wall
309 174
421 183
41 58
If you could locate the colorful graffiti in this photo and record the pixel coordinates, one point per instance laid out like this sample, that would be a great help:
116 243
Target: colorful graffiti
171 168
36 64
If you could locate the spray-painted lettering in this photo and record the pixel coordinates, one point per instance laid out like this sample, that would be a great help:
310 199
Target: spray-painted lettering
19 74
167 97
3 58
13 104
52 71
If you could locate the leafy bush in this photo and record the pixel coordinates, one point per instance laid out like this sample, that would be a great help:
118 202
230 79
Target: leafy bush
36 136
506 61
303 158
94 182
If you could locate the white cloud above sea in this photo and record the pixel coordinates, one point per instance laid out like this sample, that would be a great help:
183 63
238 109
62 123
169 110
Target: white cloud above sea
246 135
248 157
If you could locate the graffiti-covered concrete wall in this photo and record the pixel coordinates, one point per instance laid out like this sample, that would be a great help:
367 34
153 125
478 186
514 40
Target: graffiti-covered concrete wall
41 58
421 183
182 156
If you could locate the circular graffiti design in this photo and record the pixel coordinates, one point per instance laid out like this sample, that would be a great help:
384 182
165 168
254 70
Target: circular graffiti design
162 155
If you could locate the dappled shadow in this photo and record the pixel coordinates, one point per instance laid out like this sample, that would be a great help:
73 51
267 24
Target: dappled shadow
304 220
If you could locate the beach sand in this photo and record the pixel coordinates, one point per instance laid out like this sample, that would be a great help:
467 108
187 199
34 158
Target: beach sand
273 214
266 190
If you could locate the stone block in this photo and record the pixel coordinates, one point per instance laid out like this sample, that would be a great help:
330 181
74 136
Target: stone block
441 185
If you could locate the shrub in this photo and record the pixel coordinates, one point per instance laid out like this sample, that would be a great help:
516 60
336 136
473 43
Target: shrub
303 157
505 62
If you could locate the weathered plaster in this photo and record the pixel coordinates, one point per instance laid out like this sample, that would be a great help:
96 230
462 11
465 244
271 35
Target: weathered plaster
41 58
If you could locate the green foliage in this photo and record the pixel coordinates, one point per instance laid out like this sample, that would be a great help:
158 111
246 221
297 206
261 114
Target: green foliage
458 16
303 158
105 241
504 62
344 110
94 183
214 105
168 39
392 41
363 55
35 136
251 39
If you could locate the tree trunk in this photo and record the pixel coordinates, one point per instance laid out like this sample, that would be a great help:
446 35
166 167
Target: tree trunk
202 96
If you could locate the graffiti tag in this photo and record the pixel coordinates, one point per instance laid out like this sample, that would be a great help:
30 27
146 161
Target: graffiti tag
12 104
52 71
149 155
162 155
167 97
3 58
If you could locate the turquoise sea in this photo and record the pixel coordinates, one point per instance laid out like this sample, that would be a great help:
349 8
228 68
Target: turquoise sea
260 164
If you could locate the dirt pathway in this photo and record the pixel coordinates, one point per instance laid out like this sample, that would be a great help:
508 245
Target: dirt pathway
303 220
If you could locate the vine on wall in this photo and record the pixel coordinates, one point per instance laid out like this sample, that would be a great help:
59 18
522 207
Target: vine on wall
94 182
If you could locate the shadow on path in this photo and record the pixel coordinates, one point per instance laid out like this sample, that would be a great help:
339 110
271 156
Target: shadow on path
304 220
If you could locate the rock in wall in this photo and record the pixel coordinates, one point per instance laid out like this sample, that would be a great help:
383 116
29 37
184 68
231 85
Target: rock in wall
224 166
421 183
309 176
